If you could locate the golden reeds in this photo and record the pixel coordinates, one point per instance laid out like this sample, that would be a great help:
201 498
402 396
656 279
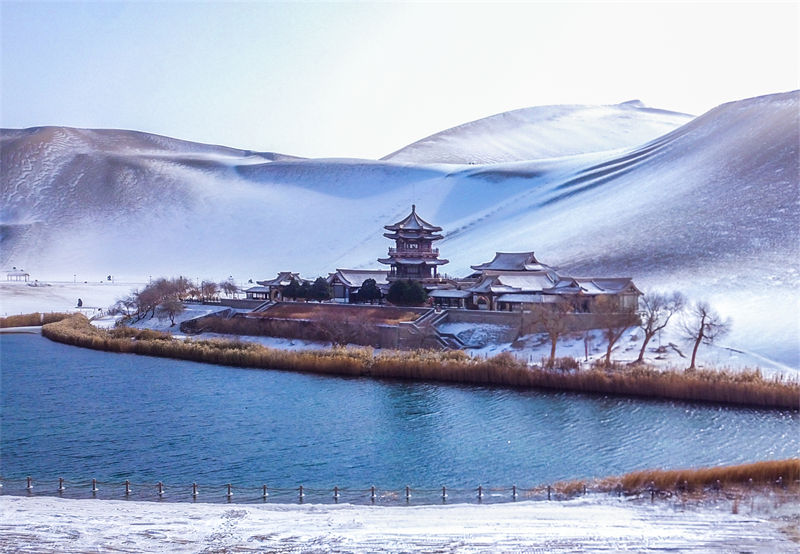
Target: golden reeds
729 387
773 472
31 320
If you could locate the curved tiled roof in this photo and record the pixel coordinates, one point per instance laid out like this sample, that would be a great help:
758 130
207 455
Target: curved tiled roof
413 222
512 261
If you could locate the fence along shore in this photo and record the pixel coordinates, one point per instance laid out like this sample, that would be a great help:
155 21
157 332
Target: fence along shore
781 474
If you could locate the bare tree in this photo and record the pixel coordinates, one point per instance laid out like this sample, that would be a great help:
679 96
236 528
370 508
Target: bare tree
703 326
208 290
613 322
124 306
171 307
229 287
657 309
193 291
551 319
181 287
147 300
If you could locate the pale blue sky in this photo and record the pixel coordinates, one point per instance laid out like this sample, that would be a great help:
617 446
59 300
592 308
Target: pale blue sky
364 79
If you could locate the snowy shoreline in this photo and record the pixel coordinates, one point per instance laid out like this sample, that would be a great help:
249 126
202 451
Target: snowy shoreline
45 524
16 298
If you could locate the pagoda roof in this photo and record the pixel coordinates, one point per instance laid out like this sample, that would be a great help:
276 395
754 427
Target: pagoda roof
413 222
512 261
413 261
426 235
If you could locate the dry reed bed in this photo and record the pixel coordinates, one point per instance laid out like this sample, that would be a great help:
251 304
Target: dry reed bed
742 477
749 389
785 472
31 320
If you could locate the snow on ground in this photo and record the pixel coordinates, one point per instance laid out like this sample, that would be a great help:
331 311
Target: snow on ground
701 209
667 351
19 298
42 524
476 335
58 296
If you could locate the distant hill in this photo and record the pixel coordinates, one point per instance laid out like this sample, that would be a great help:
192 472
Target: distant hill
710 208
543 132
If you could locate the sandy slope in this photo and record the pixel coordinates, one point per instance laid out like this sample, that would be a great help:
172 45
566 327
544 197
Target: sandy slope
44 524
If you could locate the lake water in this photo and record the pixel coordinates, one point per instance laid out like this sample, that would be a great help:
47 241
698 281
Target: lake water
79 414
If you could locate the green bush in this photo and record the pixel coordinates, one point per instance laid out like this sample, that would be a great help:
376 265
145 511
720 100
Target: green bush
407 293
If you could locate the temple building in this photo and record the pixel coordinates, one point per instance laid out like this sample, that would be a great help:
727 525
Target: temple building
413 256
511 282
517 281
346 283
272 289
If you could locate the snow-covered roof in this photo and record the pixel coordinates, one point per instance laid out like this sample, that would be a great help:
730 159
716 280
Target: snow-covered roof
512 261
282 280
517 281
17 273
413 261
607 285
549 282
257 289
527 298
413 222
449 293
356 277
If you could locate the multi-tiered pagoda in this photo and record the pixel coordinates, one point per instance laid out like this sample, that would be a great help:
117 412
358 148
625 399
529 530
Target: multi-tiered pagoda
413 256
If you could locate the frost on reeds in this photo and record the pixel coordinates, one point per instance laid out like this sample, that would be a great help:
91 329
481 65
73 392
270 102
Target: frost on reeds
31 320
773 472
742 388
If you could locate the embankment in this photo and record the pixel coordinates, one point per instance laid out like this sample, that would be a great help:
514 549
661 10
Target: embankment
739 388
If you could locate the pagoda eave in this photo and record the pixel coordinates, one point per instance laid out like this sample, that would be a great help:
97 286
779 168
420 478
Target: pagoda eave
411 235
412 261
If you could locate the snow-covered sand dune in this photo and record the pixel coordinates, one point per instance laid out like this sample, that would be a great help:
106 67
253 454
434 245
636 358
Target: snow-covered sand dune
543 132
43 524
709 208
